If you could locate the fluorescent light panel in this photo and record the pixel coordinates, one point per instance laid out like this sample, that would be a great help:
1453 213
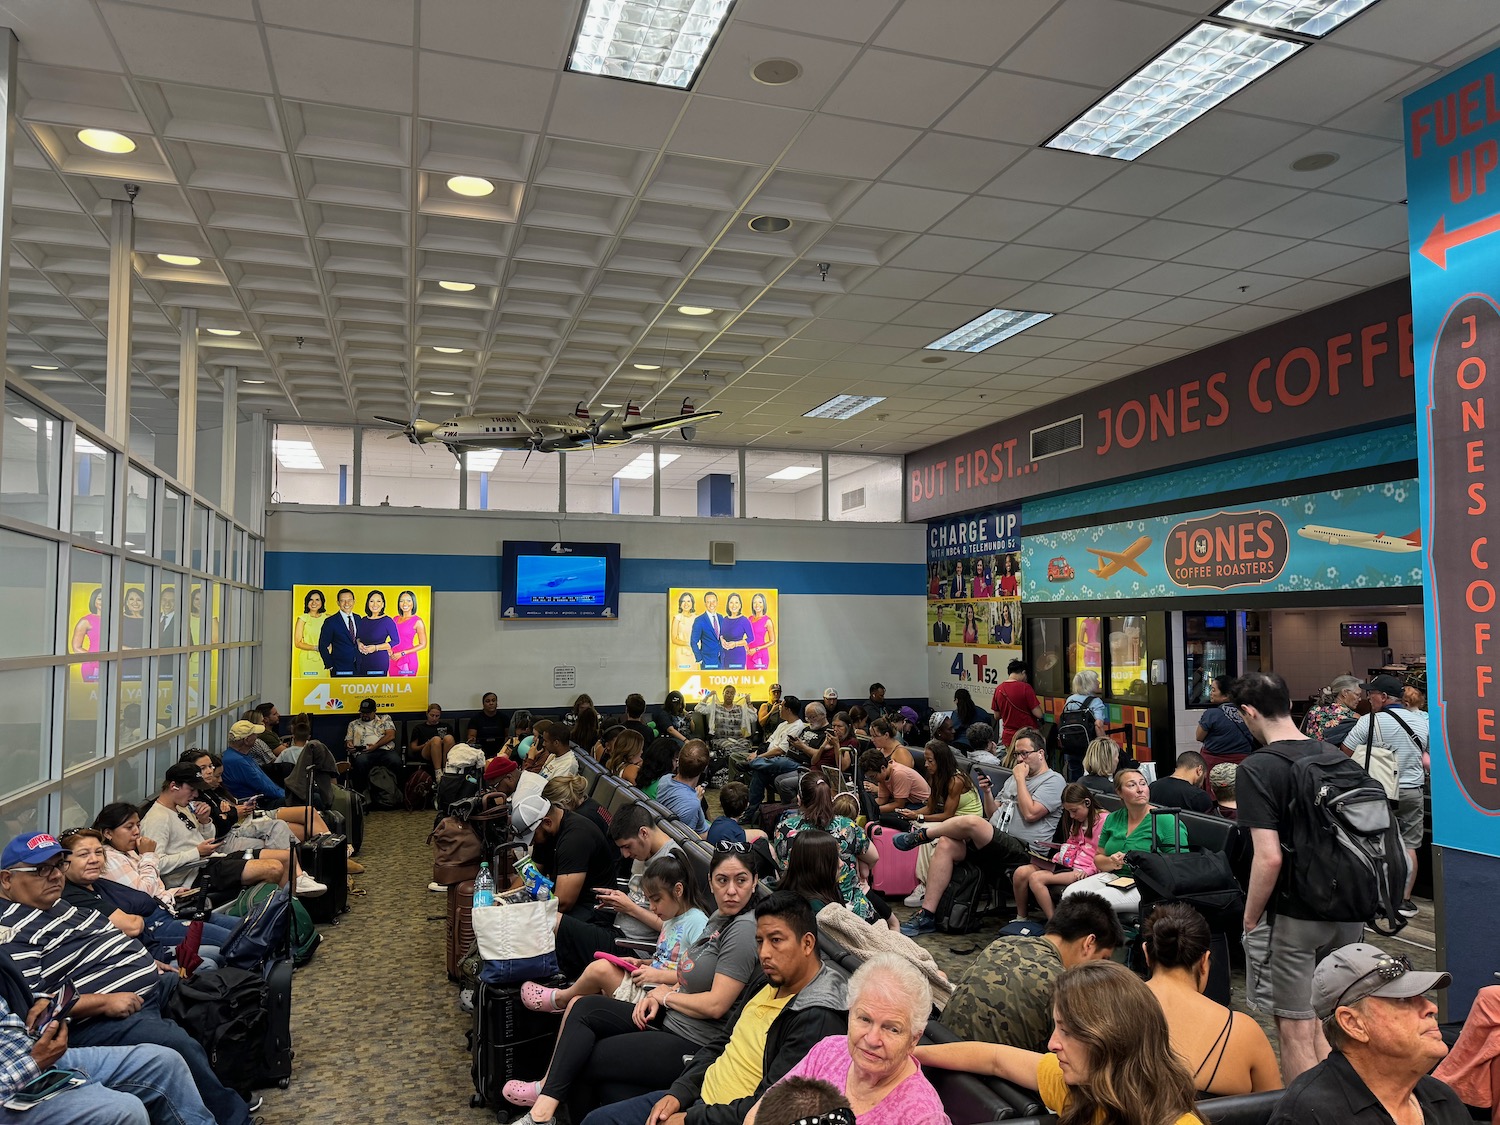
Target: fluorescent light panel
988 330
642 468
840 407
660 42
1314 18
793 472
296 454
483 460
1173 90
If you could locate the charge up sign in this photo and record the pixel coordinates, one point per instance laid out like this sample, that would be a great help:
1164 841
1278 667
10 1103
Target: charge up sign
1453 187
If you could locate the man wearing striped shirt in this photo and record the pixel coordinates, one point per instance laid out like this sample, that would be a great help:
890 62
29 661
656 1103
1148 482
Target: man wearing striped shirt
120 987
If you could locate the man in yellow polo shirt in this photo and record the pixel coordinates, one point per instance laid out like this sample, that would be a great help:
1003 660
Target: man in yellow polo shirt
801 1003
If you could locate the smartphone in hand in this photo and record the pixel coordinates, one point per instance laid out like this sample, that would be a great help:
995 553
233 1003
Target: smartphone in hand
57 1008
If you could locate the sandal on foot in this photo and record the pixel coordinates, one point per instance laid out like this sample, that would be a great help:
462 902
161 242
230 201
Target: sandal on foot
521 1093
538 998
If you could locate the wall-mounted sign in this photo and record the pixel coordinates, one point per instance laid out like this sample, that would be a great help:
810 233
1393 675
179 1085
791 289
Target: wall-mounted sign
973 602
1342 367
1339 540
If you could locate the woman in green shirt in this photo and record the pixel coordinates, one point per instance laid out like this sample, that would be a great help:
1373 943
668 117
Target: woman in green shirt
1130 828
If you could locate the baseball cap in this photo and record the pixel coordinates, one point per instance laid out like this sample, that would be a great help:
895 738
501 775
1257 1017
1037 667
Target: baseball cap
526 814
244 729
366 706
1386 685
32 848
185 773
830 691
909 714
498 767
1348 975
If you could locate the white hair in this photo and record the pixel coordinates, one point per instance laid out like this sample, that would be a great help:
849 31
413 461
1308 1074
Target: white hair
896 977
1086 682
814 709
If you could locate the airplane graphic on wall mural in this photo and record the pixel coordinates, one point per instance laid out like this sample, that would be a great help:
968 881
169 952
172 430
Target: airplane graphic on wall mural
543 433
1374 541
1112 562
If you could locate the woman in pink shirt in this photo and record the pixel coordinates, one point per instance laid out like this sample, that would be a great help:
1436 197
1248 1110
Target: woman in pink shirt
872 1065
1075 859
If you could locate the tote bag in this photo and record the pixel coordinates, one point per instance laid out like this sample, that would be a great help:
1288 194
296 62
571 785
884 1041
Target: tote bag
516 941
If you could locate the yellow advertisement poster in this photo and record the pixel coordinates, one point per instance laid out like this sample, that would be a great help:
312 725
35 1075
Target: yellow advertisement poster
360 642
722 636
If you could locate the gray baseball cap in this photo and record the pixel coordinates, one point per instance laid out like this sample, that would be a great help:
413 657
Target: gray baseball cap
1348 975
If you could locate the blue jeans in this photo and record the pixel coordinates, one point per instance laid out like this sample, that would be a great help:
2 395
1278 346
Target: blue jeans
149 1026
762 771
140 1085
632 1111
170 930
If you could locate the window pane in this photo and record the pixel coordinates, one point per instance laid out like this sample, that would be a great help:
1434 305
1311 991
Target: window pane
197 537
220 534
29 816
1048 674
93 489
315 464
168 700
130 778
1128 662
25 717
171 526
403 475
135 619
784 486
81 801
140 508
90 608
1085 653
83 732
28 578
237 554
512 484
30 476
611 480
699 480
864 488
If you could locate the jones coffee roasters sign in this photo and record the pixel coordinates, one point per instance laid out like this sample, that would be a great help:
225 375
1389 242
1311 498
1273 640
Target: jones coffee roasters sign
1227 549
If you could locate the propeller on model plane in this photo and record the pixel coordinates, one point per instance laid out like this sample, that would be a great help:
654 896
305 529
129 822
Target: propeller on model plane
415 430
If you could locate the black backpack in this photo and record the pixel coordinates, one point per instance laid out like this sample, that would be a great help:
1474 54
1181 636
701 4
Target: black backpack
385 789
453 787
966 898
225 1011
1077 726
1346 859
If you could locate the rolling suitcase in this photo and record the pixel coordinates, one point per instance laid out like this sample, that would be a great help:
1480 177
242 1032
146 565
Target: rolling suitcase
351 806
277 1068
507 1041
460 925
896 873
326 859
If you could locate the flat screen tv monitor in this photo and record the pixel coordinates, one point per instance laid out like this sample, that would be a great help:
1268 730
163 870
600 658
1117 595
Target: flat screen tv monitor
560 580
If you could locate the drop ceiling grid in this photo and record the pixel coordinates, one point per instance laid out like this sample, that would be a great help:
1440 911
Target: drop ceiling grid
1151 210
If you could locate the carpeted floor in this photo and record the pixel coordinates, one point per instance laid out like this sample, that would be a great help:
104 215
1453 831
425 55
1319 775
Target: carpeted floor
377 1029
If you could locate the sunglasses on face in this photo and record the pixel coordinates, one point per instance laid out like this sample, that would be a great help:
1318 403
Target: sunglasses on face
1387 968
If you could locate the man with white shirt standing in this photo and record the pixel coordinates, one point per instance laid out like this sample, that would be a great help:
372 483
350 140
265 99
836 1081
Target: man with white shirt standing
338 640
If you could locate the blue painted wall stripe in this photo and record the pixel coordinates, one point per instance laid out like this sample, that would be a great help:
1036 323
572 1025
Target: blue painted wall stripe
481 574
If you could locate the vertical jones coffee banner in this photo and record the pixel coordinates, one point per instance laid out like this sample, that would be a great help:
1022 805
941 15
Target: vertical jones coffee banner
974 585
1452 164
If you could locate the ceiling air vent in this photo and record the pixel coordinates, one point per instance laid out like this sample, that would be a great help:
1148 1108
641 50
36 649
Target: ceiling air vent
1060 437
851 501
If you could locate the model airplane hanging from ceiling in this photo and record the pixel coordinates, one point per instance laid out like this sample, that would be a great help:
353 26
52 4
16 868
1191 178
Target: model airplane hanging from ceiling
543 433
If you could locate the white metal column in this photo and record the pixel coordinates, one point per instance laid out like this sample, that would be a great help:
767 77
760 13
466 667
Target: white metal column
7 140
187 403
229 447
121 294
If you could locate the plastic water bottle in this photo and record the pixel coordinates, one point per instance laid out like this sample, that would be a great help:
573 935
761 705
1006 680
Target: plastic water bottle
539 886
484 887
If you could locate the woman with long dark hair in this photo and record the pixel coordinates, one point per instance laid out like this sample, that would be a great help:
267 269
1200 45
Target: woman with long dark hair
657 763
966 712
305 632
812 869
815 811
952 790
1109 1061
377 636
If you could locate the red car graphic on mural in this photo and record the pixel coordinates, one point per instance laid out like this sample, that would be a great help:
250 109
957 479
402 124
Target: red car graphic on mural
1058 570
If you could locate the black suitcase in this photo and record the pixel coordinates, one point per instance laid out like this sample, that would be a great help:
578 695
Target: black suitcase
278 1059
507 1041
351 806
326 859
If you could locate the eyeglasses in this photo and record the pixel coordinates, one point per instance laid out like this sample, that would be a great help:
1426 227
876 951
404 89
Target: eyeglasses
838 1115
66 832
1387 968
737 846
46 870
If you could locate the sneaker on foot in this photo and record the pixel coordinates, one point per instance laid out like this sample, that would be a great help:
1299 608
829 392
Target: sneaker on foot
920 923
916 897
1408 909
907 841
308 887
255 1103
438 887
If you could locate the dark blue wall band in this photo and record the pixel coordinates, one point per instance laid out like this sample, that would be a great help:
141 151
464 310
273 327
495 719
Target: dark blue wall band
480 574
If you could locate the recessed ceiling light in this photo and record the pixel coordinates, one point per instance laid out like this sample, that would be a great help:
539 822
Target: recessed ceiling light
1314 161
988 330
646 366
663 44
840 407
694 310
1180 85
1313 18
445 394
474 186
769 224
447 351
641 468
106 140
223 331
179 259
793 472
776 72
254 382
457 286
44 367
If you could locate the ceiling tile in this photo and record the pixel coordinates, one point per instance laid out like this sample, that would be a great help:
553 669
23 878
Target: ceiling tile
386 21
1143 190
957 163
729 130
188 48
903 89
1309 259
901 208
514 96
328 69
852 20
633 114
1228 203
1237 249
1318 83
1026 263
741 46
1090 41
998 219
1017 108
938 252
1072 229
1385 228
1158 238
516 31
962 30
842 146
1222 141
1312 215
